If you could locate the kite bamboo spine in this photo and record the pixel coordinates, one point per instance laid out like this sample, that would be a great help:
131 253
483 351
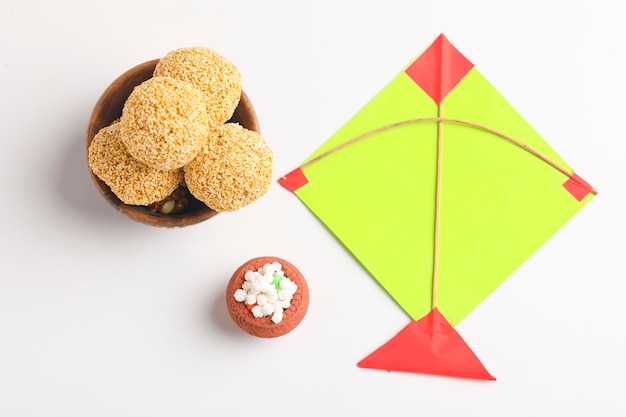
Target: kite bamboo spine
437 207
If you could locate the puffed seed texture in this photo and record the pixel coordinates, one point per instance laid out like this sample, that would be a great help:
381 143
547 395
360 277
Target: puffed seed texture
130 180
233 169
218 78
164 123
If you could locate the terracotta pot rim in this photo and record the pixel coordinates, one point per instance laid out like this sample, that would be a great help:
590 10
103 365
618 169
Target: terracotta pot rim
263 326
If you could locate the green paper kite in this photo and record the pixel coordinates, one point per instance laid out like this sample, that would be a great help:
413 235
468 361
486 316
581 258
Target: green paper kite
441 190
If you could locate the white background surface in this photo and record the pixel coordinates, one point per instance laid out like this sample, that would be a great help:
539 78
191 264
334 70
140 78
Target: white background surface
102 316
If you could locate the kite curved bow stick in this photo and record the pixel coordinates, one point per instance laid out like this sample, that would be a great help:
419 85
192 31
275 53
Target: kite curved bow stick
489 202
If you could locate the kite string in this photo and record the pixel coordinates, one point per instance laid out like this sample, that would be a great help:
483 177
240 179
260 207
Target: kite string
440 120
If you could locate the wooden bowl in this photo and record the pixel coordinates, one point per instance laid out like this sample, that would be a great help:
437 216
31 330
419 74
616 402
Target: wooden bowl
109 107
264 326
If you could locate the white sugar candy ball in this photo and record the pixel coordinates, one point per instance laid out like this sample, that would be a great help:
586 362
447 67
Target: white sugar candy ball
277 317
250 299
240 295
257 311
268 309
261 299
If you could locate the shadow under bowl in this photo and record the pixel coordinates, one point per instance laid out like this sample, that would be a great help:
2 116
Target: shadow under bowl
109 108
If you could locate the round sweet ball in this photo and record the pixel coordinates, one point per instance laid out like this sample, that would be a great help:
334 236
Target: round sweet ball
218 78
130 180
164 123
232 170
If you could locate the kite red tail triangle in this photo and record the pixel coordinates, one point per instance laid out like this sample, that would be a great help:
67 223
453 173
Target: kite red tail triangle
431 346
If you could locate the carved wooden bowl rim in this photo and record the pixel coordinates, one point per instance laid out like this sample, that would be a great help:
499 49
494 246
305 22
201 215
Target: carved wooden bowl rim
109 107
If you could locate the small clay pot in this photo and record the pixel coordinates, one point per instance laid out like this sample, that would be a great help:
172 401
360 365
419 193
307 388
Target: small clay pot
109 107
264 326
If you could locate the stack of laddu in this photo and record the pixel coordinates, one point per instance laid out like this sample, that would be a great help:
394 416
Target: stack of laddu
174 132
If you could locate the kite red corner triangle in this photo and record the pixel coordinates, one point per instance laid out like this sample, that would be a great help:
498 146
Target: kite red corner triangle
578 187
431 346
294 180
439 69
